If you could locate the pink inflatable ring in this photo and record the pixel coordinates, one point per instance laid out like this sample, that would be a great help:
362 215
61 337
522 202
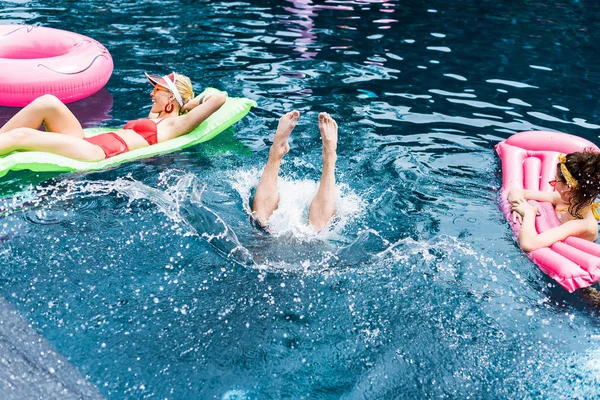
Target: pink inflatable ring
36 60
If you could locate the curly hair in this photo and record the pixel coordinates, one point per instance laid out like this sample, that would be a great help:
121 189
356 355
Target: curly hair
584 166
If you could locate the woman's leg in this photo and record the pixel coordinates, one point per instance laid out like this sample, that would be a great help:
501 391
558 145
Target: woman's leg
49 111
322 208
29 139
266 198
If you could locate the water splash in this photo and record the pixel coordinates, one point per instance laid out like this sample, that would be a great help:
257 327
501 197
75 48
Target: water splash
295 196
180 201
209 225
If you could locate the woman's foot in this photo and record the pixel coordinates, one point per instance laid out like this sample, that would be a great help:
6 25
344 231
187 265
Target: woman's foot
266 198
280 145
322 208
329 133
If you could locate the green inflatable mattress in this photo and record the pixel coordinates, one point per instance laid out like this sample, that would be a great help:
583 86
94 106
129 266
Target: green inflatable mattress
232 111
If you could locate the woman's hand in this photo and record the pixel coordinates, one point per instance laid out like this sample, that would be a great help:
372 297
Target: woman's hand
193 103
189 105
520 208
515 195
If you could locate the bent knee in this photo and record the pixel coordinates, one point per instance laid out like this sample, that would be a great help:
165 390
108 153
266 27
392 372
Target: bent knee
48 101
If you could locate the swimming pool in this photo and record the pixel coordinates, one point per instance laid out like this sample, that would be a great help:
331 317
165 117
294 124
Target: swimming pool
419 289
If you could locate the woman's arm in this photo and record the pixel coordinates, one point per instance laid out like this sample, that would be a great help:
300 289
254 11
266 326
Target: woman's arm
520 195
530 240
523 194
195 102
175 127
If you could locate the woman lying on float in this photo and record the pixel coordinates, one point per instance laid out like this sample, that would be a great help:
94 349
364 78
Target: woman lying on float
174 112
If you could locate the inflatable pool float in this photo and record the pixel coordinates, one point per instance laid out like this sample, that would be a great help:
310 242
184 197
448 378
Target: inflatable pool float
529 162
35 60
232 111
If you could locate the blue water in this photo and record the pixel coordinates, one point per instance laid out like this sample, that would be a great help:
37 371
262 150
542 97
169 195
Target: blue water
150 279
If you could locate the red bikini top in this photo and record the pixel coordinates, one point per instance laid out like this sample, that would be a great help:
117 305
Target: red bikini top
145 128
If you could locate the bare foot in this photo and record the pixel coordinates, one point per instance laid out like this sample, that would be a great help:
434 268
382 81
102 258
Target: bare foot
329 132
280 145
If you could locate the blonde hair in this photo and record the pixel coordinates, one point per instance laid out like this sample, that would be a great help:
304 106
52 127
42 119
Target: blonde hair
184 87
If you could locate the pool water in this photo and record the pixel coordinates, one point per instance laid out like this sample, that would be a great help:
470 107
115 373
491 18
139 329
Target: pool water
152 281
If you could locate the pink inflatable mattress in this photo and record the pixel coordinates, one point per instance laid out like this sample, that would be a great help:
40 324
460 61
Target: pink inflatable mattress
529 162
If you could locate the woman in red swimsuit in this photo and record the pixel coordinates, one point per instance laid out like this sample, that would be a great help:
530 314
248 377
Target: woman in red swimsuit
175 112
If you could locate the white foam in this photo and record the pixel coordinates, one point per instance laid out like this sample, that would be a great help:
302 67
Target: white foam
295 196
235 394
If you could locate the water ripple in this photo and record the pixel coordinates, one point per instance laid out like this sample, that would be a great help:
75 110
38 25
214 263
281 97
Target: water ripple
141 278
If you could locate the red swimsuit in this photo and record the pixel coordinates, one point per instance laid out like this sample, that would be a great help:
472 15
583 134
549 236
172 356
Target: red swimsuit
112 144
145 128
